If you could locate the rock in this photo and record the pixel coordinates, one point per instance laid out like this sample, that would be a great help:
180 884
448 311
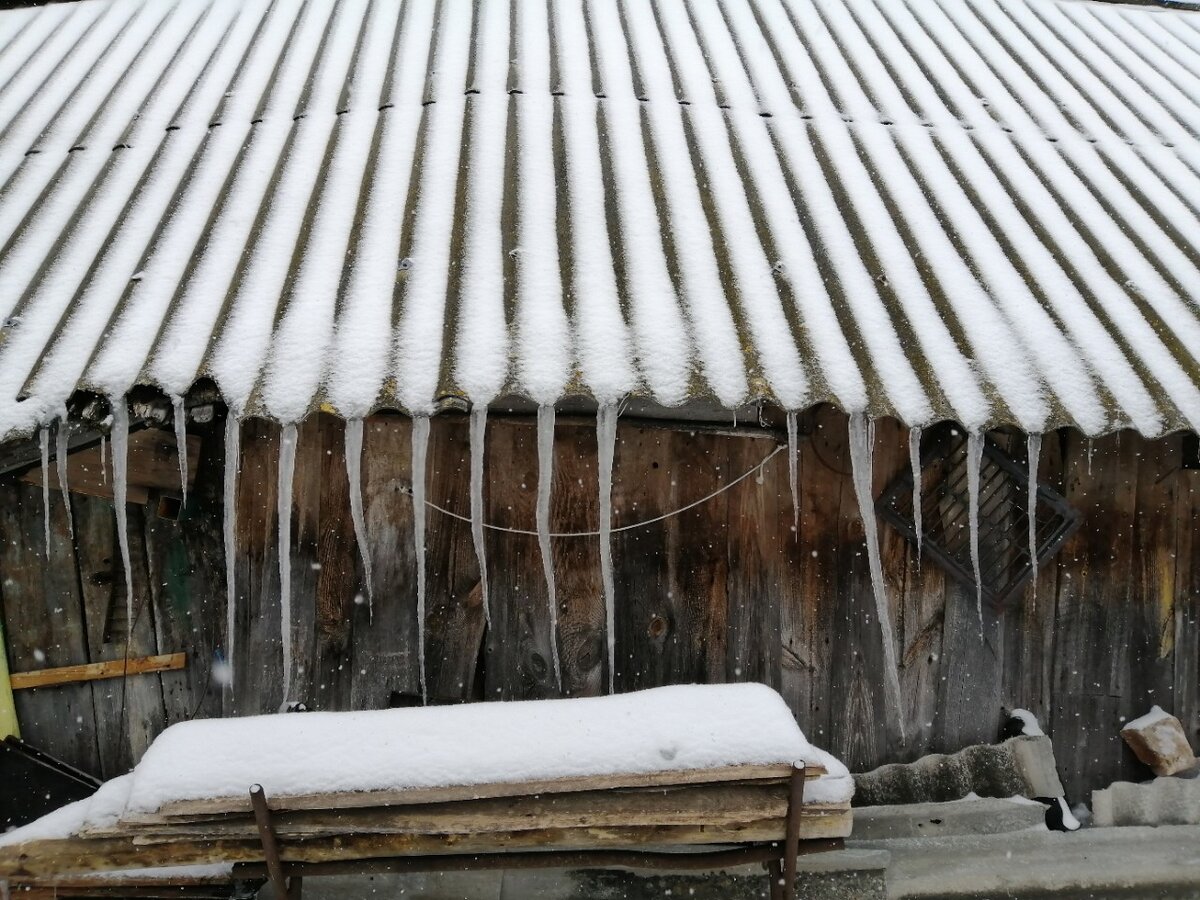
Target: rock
1019 766
1163 801
1158 740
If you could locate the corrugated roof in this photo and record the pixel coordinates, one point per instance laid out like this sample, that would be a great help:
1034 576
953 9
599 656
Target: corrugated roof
970 209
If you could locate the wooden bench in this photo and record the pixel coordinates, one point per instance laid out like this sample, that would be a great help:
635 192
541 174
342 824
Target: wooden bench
368 793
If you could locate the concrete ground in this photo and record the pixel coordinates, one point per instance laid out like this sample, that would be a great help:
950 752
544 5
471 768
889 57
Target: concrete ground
966 850
1162 862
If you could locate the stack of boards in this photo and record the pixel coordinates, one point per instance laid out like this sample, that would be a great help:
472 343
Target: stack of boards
695 808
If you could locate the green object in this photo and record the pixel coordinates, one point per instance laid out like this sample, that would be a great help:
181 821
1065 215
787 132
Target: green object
8 709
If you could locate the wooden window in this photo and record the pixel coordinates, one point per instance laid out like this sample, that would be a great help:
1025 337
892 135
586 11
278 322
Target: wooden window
1004 557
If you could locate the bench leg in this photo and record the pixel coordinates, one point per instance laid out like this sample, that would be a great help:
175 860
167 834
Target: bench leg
775 874
791 843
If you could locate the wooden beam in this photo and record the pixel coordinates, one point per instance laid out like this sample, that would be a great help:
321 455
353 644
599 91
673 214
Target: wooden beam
8 709
153 466
141 665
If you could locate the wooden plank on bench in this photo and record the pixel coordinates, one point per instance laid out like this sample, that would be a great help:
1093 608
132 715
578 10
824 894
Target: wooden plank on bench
73 855
676 806
351 799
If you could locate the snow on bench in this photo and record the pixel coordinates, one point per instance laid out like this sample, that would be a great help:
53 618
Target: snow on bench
570 775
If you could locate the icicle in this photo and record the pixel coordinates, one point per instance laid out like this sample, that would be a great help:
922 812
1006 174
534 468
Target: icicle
354 446
103 460
233 449
1091 451
545 441
478 436
45 441
287 471
974 462
862 450
793 457
420 448
120 462
914 460
1034 451
606 444
180 418
61 449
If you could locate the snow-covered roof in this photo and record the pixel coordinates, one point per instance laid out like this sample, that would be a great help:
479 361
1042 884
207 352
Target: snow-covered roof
985 210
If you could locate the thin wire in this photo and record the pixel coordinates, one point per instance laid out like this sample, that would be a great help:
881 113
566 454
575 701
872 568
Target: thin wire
568 534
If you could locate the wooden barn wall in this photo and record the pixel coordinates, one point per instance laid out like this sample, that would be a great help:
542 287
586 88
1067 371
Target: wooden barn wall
724 591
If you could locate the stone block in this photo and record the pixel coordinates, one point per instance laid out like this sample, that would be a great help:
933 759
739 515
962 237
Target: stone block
1158 740
1021 765
1163 801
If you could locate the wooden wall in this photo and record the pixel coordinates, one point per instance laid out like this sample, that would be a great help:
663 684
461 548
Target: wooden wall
724 591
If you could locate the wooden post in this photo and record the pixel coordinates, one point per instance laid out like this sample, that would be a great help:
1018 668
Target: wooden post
8 709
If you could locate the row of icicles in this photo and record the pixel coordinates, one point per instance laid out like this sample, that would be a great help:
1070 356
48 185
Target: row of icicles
862 441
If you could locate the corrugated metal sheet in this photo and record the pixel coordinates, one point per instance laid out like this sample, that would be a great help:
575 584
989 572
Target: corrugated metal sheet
970 209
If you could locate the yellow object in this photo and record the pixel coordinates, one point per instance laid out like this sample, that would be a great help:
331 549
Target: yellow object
8 709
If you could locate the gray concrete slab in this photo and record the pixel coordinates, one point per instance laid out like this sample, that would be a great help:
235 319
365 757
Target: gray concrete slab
982 816
1159 862
845 875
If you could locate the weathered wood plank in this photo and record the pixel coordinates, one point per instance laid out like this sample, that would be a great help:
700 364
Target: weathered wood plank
762 551
808 623
140 665
1092 661
186 560
724 804
1187 603
574 508
64 857
129 712
859 720
384 648
44 623
258 664
338 576
153 466
518 664
449 793
454 601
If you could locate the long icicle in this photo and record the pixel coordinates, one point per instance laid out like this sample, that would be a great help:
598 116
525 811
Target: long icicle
120 464
1033 452
914 460
103 460
545 443
606 445
354 449
420 449
179 416
974 463
44 438
793 458
287 471
233 453
61 450
478 435
862 453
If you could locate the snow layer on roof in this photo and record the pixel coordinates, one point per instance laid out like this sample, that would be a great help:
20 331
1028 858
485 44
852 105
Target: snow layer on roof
968 209
666 729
